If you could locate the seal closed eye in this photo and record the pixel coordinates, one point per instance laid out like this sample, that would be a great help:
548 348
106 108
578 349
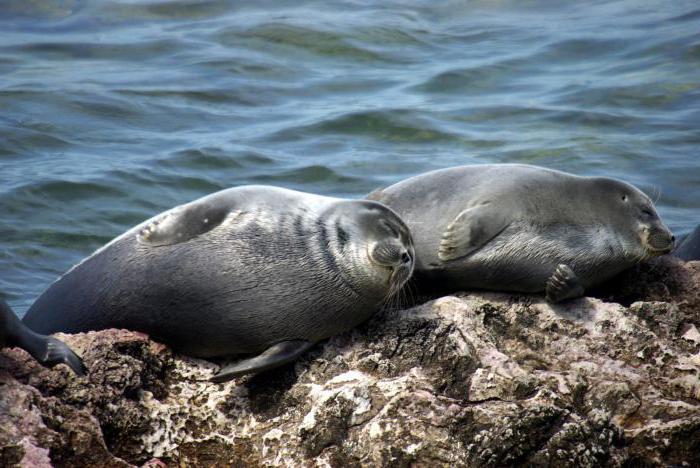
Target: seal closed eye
513 227
249 270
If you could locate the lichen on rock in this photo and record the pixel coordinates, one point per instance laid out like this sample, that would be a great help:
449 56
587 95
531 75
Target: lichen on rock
471 379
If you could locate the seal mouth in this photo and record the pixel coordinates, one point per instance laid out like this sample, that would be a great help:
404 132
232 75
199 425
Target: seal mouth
398 279
658 242
400 275
654 252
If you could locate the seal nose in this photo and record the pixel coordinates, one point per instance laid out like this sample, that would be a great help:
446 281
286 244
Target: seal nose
673 238
405 258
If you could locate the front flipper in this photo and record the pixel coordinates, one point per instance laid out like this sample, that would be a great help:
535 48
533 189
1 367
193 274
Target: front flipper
275 356
563 284
186 222
57 352
471 230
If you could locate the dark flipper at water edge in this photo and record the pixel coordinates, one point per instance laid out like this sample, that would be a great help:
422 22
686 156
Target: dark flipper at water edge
47 350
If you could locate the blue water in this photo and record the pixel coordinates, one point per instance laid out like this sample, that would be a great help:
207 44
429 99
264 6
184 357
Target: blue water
112 111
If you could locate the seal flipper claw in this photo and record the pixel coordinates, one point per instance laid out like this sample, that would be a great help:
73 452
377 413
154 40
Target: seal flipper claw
57 352
563 284
471 230
274 356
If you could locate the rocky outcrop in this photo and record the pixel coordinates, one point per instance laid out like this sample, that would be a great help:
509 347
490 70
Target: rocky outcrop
472 379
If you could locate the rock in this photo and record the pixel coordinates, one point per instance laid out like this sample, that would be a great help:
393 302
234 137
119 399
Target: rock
472 379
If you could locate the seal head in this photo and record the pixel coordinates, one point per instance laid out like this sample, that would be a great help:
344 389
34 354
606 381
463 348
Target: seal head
635 218
375 240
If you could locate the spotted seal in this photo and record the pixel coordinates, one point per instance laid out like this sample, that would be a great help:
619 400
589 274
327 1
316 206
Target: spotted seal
512 227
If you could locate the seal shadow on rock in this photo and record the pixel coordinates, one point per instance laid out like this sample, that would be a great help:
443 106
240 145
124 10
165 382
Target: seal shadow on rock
521 228
252 270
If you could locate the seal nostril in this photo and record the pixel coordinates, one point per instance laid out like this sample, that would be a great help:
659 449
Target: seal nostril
405 258
673 238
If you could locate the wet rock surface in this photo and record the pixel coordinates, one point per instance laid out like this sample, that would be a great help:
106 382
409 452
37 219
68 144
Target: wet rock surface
472 379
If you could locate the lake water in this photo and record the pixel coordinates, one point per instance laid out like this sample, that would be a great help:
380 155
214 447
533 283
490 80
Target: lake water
111 111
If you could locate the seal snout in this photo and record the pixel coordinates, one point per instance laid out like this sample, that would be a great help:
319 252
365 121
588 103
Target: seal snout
658 240
397 258
392 255
402 270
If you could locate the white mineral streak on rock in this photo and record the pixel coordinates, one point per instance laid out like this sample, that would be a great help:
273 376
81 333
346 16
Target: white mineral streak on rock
692 334
195 401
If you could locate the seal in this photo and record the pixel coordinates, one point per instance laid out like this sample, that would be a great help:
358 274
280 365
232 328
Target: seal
249 270
47 350
510 227
688 248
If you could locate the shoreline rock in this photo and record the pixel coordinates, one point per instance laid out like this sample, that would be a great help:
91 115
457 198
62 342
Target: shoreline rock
470 379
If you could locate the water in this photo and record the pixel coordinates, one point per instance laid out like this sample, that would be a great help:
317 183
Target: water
113 111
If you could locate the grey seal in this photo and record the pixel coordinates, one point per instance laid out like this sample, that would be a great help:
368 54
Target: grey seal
47 350
511 227
248 270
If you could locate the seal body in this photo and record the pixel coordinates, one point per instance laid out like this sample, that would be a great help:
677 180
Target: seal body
511 227
238 271
689 246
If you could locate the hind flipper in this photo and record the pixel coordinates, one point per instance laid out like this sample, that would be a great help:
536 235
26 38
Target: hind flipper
563 284
48 351
275 356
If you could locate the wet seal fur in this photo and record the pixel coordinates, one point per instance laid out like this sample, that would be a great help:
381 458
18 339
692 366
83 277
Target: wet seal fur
47 350
253 269
512 227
